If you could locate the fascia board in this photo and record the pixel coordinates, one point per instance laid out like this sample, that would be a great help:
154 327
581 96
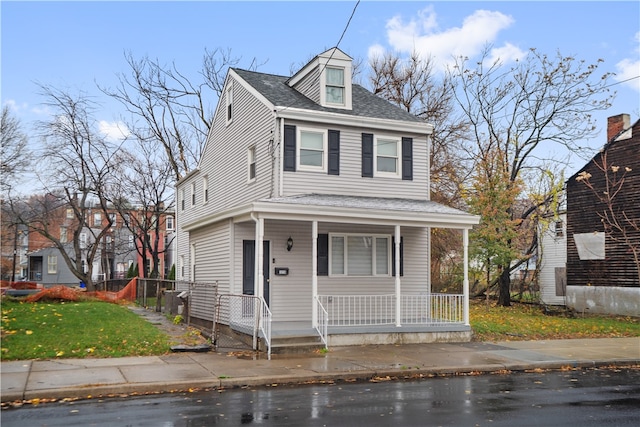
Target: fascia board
356 121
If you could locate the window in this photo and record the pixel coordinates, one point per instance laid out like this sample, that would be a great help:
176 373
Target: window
169 223
334 85
312 150
125 218
251 160
52 264
559 228
112 218
181 266
229 102
63 234
360 255
84 265
205 190
83 240
97 219
70 213
193 194
182 197
131 241
386 156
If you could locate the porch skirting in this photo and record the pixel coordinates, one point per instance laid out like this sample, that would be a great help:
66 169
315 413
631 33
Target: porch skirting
381 335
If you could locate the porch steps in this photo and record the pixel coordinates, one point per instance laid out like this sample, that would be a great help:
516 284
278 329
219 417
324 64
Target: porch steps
295 344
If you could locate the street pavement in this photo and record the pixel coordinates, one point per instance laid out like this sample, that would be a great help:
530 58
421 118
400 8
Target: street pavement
181 371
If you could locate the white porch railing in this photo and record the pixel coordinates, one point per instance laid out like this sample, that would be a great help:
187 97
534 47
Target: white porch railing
322 326
248 314
375 310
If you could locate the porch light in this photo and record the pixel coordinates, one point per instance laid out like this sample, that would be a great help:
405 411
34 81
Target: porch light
289 243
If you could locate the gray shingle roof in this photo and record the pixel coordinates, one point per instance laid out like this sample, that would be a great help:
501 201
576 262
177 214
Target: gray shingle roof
365 103
373 203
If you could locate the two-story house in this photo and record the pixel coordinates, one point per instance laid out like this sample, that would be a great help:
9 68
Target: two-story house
312 195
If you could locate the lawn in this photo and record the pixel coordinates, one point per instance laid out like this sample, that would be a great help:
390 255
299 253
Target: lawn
528 322
47 330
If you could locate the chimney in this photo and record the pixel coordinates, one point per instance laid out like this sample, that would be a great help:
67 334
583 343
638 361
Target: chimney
616 124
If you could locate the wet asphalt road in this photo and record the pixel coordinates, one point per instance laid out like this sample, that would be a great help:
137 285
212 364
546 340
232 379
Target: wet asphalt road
579 398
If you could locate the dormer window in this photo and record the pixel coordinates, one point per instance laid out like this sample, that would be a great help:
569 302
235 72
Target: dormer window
335 85
229 102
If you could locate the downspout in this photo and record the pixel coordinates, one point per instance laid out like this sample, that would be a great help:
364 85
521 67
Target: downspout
398 284
314 273
258 276
281 154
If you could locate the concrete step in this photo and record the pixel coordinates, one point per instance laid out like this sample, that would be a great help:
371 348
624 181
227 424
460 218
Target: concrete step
299 344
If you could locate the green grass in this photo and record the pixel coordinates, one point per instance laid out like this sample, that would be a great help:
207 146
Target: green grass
528 322
46 330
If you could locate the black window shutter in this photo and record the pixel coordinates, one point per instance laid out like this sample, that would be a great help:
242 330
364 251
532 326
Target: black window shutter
289 148
393 257
334 152
323 255
367 155
407 159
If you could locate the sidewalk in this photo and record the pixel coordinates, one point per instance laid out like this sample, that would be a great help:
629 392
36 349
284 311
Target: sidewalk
83 378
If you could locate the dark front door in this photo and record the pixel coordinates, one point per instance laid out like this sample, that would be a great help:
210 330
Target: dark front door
248 267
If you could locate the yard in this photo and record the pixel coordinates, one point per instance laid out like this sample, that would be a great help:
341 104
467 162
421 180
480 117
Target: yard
47 330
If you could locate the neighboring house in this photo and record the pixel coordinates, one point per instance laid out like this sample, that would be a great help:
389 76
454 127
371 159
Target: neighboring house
117 251
552 252
313 195
602 276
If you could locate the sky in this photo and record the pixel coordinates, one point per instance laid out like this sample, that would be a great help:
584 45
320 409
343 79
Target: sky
77 45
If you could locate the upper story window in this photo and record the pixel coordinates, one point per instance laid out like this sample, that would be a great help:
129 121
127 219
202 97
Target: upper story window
70 213
334 86
63 234
182 198
229 104
193 194
131 241
386 156
112 218
559 226
311 155
205 189
169 221
251 163
125 218
97 219
83 240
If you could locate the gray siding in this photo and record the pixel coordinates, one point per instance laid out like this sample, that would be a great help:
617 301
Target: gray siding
310 86
350 180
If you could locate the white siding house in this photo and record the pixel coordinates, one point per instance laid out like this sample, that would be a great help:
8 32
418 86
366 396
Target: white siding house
553 262
317 202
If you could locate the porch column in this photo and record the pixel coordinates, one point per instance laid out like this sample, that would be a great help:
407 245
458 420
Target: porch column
314 273
465 280
398 286
259 276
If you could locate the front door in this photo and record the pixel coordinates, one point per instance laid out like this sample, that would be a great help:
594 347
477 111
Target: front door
248 267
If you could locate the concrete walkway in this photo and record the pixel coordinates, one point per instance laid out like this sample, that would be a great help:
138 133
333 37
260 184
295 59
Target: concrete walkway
83 378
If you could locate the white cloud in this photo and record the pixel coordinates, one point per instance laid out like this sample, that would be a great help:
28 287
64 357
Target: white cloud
628 70
422 34
113 131
14 106
376 51
506 53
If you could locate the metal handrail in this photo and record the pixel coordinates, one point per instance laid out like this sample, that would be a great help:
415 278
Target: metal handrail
323 323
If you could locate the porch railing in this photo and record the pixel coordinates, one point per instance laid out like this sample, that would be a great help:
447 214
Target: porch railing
376 310
247 314
322 326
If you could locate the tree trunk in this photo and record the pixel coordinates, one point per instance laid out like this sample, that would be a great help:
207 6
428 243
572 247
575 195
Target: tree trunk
504 288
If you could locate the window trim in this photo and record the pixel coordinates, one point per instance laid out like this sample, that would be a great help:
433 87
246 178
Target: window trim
205 190
193 194
52 264
229 105
252 161
343 87
398 157
373 236
169 221
301 167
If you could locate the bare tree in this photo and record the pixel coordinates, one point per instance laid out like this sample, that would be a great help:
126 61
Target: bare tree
143 195
76 167
522 111
171 109
412 84
15 154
